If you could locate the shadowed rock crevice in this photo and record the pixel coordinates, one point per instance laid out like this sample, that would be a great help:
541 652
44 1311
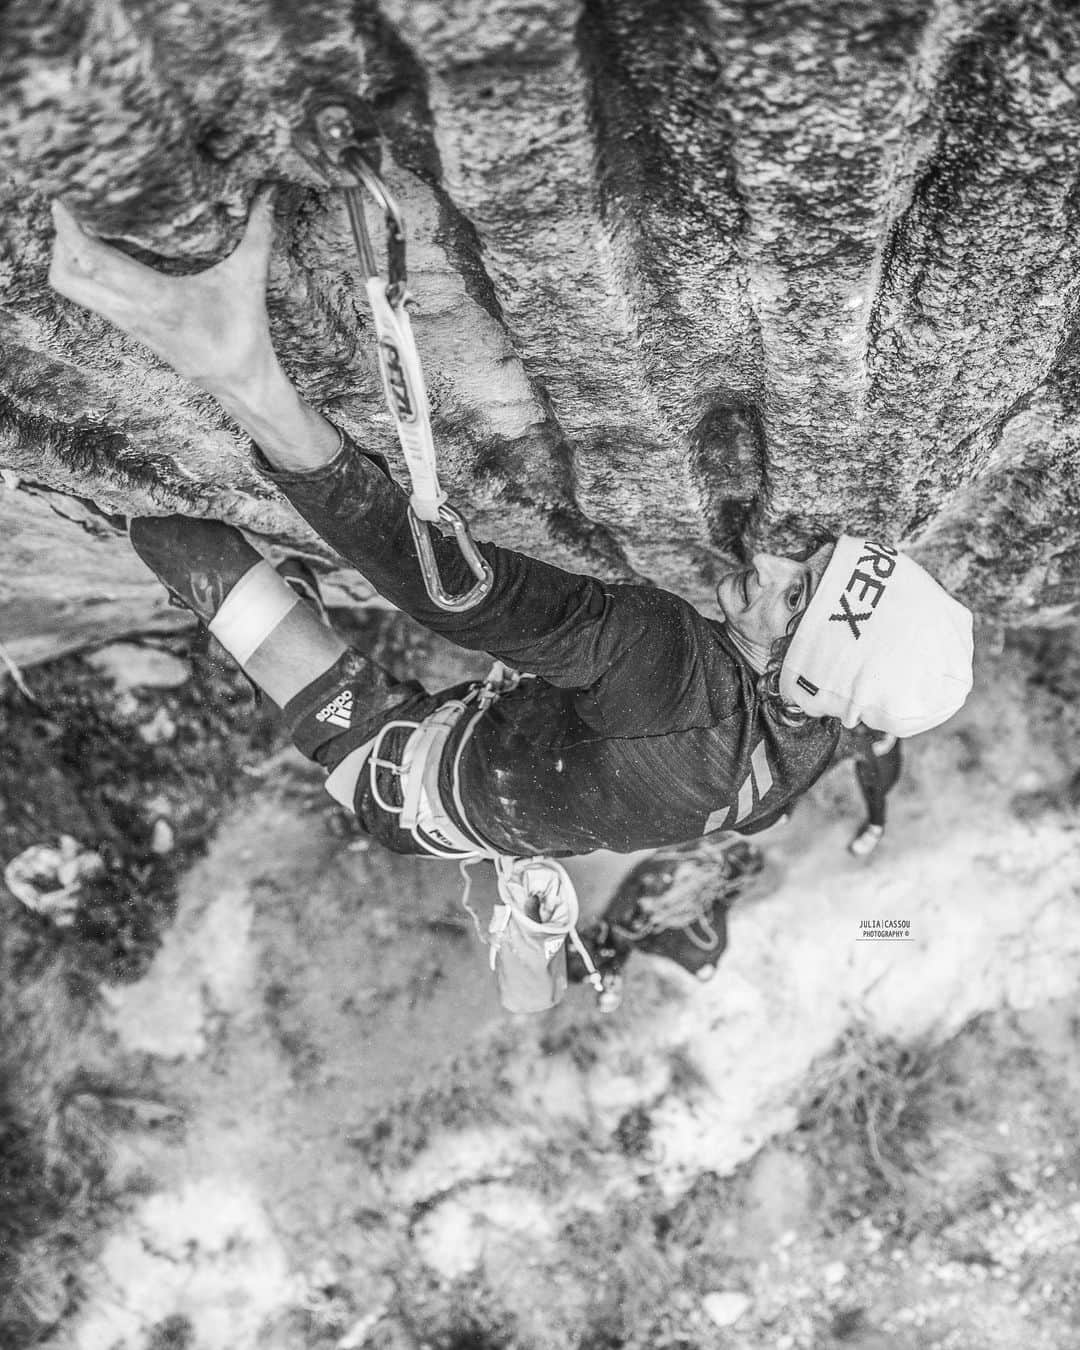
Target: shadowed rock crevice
670 206
815 95
398 98
728 465
536 475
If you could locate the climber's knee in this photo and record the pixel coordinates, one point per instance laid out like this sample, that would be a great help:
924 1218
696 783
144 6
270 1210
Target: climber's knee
328 693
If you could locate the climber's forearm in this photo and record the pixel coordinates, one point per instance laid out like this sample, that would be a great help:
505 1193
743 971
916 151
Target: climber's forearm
290 433
536 616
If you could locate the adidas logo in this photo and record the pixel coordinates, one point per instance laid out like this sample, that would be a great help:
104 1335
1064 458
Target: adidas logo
338 712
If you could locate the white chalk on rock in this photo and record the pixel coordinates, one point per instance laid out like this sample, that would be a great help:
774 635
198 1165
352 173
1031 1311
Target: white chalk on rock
725 1307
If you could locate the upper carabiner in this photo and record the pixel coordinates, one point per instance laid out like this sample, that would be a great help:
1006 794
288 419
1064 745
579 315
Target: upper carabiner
340 145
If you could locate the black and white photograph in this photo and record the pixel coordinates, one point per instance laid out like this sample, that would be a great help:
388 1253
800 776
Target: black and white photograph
539 675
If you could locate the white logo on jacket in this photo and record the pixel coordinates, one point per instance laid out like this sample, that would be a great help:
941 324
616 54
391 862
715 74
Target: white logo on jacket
757 784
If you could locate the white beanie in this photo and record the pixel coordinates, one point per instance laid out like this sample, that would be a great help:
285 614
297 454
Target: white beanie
880 643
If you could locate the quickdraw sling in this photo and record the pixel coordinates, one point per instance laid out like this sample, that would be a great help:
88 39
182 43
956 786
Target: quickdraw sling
339 147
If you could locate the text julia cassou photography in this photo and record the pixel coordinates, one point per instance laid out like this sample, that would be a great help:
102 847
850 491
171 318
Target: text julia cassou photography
884 930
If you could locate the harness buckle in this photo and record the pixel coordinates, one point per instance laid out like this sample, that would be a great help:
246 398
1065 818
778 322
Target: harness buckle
429 567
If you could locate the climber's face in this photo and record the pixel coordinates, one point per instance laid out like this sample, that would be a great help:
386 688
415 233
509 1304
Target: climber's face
759 602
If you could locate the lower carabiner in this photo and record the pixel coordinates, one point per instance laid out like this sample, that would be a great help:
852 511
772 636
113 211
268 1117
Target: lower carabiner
429 568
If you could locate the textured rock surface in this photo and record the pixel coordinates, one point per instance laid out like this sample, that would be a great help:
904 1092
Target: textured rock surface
688 277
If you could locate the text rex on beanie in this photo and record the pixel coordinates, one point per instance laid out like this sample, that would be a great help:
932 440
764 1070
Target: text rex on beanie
880 643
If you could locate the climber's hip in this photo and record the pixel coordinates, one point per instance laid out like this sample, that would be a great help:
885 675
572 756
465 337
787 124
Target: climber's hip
391 759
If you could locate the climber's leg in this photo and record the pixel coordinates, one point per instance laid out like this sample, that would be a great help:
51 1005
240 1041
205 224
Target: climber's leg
324 688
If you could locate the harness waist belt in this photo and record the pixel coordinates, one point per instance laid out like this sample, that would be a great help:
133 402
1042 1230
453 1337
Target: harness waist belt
422 811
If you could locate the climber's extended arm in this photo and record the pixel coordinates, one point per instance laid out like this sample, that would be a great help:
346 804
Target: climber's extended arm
621 643
211 327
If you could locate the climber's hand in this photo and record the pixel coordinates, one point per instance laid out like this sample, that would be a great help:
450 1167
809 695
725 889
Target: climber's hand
211 326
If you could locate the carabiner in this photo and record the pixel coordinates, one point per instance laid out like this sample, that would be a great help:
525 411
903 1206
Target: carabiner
339 146
429 568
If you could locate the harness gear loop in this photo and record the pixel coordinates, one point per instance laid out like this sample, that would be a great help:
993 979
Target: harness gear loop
339 146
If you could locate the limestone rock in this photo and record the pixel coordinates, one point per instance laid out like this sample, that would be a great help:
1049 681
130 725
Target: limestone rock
724 1307
690 279
130 665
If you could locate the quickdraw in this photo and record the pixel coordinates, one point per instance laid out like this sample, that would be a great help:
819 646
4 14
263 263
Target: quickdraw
339 147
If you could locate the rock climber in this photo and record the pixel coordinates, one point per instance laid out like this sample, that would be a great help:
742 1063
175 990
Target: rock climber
645 722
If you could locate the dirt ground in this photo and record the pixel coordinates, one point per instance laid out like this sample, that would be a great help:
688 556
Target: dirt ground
274 1102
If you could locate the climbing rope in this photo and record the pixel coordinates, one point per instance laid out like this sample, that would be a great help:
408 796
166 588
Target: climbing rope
338 146
659 913
687 904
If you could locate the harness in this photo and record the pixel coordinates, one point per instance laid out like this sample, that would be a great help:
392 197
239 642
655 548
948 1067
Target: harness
527 952
421 810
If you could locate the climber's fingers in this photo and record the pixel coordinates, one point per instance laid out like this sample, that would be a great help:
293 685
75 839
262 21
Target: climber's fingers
99 277
68 230
251 257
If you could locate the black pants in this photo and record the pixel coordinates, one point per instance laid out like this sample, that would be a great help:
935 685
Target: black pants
875 772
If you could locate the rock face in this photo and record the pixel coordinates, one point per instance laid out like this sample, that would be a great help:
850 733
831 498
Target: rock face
689 279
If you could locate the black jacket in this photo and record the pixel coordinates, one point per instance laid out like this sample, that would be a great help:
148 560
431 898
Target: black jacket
644 726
